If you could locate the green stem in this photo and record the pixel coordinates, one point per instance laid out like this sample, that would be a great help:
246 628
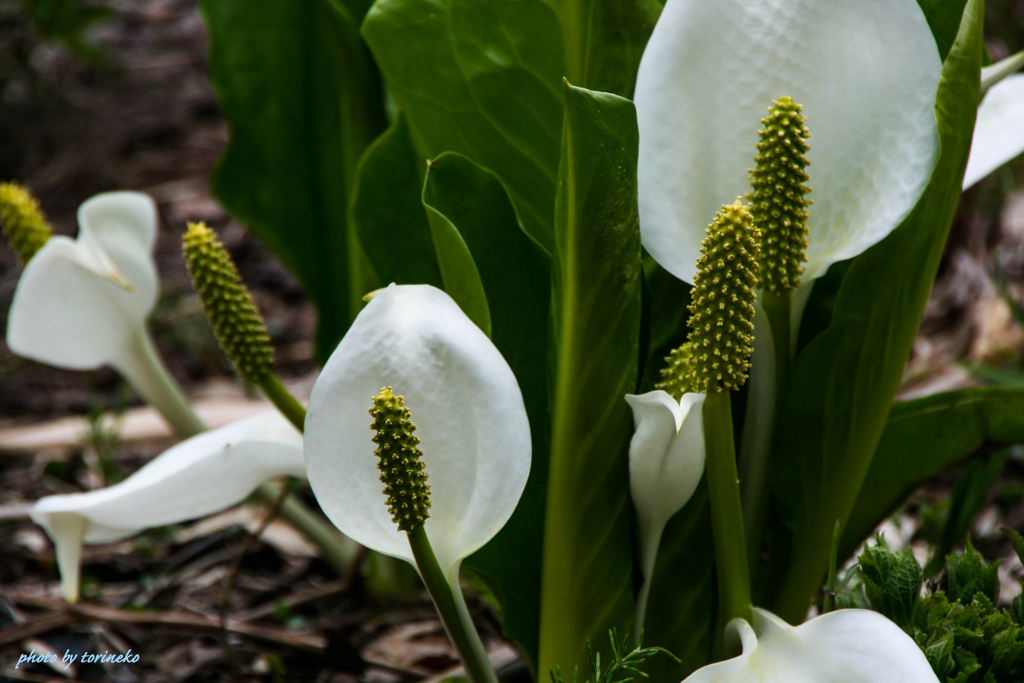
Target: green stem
829 602
777 308
335 549
284 401
726 513
148 375
453 612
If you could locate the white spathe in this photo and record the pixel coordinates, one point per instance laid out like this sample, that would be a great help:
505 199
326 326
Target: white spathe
194 478
845 646
83 303
866 73
999 129
465 403
666 461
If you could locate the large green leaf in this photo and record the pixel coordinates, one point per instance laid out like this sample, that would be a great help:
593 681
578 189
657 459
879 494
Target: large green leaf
922 439
387 213
842 384
483 78
516 278
587 582
944 20
302 99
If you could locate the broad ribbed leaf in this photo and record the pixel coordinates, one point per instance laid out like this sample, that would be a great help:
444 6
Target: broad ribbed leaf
587 582
483 78
302 99
388 215
516 279
924 438
833 413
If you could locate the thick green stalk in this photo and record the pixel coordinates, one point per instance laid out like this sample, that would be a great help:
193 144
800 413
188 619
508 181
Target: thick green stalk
452 610
335 549
285 402
726 512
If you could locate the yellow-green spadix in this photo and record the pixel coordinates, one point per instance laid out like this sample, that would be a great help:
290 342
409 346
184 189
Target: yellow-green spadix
866 73
844 646
201 475
469 415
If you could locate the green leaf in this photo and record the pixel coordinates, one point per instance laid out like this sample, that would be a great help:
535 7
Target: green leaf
516 278
483 78
833 412
458 270
944 20
387 212
302 99
922 439
587 578
892 582
970 574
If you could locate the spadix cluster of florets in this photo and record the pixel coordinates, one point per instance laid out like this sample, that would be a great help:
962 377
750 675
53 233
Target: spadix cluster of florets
402 471
762 245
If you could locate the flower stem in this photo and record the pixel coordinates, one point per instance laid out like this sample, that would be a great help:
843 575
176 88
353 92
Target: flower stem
285 402
336 550
452 609
726 513
148 375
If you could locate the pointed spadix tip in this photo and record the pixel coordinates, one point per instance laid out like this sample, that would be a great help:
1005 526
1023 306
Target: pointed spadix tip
722 302
778 198
402 471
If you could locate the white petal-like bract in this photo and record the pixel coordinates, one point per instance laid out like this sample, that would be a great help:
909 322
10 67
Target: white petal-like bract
83 303
999 130
866 73
196 477
467 407
845 646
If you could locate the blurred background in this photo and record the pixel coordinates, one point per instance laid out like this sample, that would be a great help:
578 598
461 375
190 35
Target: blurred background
108 95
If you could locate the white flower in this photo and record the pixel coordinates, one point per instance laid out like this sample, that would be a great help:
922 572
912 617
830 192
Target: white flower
196 477
666 461
845 646
999 130
866 73
83 303
469 414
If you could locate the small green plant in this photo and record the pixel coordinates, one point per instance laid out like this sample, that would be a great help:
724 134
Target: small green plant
624 661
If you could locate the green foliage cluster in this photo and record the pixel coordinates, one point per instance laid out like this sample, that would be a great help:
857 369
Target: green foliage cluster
965 637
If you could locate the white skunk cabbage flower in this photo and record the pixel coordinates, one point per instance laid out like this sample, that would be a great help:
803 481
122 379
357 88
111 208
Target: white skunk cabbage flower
83 303
999 129
196 477
666 461
469 417
866 73
845 646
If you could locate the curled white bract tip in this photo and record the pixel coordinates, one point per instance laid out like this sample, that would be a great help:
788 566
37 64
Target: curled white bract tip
83 303
866 73
464 401
999 129
845 646
666 461
199 476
